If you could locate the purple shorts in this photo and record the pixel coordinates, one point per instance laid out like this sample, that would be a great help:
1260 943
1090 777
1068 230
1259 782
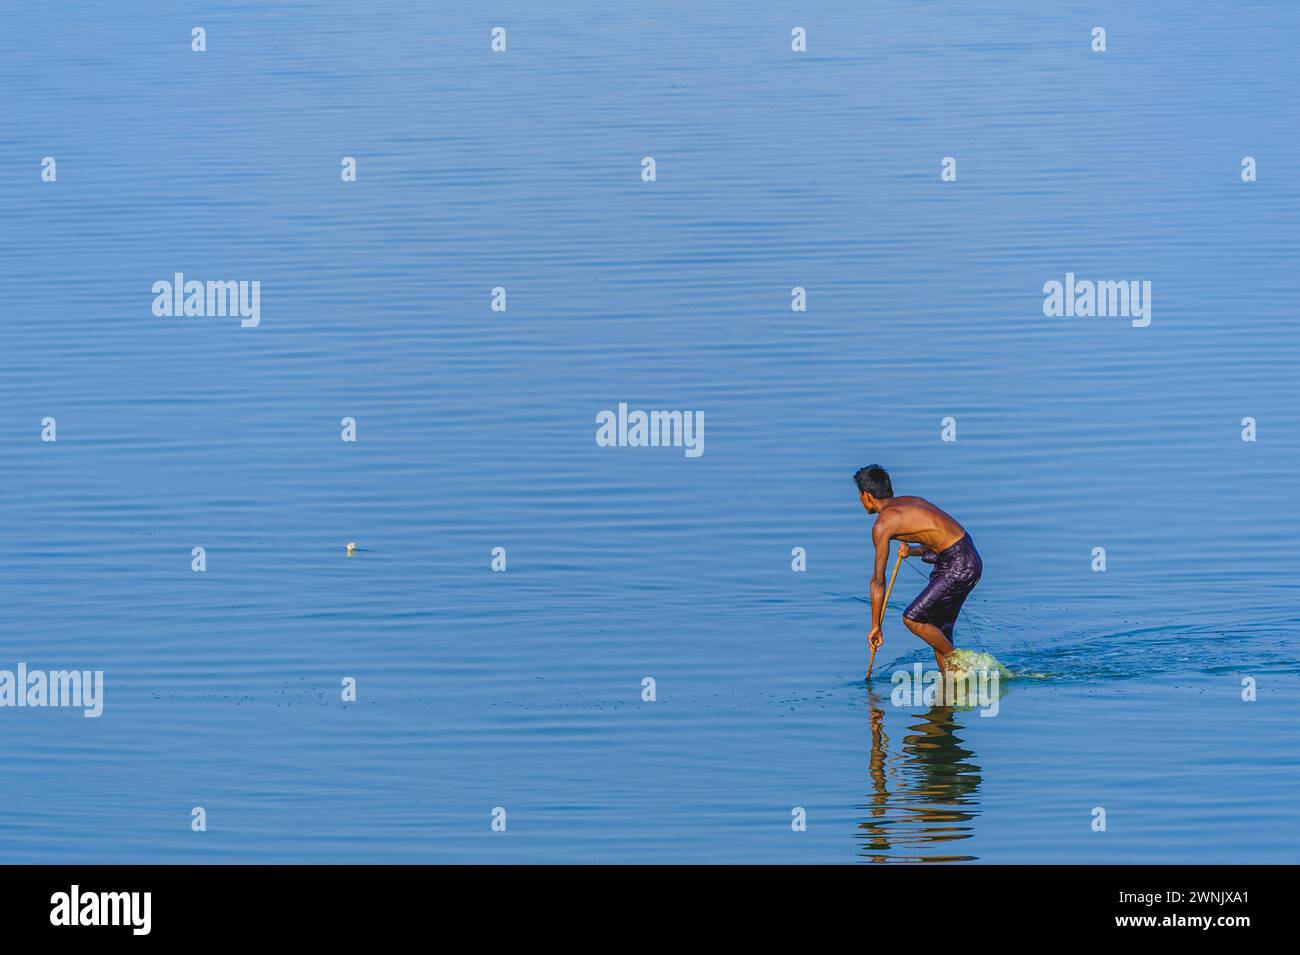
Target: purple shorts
956 572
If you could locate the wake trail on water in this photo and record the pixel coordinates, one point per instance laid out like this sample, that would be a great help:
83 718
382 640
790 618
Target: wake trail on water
1120 654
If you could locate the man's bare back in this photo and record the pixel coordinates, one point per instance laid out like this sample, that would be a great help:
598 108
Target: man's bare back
917 521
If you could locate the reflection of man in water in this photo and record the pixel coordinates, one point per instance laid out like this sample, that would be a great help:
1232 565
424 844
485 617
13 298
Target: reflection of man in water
934 785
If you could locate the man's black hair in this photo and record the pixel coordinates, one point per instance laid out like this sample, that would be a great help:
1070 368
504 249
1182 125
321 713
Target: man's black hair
874 480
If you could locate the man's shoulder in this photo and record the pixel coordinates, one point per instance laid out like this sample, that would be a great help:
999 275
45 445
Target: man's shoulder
911 500
899 518
911 506
915 515
919 505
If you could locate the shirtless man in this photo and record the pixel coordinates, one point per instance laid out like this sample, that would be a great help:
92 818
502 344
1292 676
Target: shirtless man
923 531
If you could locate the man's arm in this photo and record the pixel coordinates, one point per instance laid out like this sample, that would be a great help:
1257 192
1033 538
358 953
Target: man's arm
879 537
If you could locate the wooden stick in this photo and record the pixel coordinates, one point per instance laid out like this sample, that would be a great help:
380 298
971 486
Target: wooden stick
884 608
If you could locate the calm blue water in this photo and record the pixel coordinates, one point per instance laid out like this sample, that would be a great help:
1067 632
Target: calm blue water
476 430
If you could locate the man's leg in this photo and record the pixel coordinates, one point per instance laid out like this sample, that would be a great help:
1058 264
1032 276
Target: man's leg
934 637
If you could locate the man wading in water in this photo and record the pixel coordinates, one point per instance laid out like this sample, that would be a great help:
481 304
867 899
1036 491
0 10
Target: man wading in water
923 531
